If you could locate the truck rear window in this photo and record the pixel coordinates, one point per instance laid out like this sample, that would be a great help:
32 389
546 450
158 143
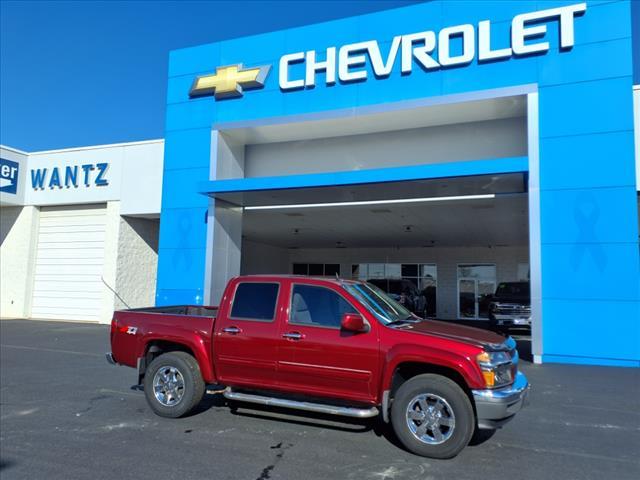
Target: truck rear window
255 301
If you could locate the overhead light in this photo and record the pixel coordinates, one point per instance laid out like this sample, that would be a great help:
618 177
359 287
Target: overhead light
374 202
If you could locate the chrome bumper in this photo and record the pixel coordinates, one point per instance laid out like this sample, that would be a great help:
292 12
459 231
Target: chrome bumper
496 407
512 320
110 359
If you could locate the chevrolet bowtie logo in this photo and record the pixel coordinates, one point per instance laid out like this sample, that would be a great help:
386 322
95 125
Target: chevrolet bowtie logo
230 81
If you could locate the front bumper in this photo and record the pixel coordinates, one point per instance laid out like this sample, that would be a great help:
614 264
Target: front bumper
509 320
496 407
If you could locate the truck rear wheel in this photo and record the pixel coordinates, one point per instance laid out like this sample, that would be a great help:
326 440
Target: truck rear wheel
432 416
173 384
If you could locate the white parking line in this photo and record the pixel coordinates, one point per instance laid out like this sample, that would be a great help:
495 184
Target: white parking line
22 347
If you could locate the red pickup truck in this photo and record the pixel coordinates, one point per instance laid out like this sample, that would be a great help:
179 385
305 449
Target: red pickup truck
331 346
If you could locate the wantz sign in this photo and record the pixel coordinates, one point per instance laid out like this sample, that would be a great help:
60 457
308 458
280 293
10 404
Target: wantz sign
452 46
87 175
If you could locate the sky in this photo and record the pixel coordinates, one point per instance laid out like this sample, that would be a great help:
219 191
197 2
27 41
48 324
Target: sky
75 73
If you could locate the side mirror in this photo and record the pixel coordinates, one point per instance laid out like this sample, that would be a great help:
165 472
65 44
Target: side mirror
353 322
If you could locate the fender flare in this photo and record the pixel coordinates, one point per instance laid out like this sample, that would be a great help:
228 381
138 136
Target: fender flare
192 342
457 362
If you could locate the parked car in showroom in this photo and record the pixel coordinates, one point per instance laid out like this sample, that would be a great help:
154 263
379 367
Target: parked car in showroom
404 292
510 307
332 346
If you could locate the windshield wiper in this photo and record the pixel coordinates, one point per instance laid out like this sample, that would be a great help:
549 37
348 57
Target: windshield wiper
402 321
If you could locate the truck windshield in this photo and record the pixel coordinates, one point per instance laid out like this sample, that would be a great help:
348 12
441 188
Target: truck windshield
378 303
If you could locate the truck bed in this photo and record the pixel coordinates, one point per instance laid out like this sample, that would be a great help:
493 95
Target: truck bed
188 310
188 325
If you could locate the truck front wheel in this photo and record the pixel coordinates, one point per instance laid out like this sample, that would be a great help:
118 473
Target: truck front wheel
432 416
173 384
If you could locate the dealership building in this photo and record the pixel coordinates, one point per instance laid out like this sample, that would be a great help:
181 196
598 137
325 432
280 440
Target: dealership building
454 144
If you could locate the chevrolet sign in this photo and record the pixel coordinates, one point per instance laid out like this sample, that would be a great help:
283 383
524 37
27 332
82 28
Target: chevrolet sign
229 82
428 49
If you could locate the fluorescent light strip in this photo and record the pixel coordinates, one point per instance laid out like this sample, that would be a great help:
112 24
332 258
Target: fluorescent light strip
373 202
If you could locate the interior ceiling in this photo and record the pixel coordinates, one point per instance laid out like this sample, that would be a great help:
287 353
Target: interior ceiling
471 185
357 122
502 221
498 221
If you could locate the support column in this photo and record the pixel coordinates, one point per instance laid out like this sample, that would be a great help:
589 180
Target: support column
535 260
224 220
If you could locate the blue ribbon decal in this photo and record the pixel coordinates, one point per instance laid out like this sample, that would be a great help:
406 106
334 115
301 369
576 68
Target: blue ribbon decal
586 215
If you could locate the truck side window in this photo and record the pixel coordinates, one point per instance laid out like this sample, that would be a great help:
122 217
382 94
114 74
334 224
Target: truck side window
255 301
318 306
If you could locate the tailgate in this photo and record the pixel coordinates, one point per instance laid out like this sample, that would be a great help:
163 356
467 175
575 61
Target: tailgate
125 341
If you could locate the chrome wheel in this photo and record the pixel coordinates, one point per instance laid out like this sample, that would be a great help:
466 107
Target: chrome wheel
430 418
168 386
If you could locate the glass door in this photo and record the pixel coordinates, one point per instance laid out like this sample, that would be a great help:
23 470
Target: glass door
467 298
476 285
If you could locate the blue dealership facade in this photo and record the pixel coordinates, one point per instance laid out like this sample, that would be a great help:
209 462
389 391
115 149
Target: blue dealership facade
568 65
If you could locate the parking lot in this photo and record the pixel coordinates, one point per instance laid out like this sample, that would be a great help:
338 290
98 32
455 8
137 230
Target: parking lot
66 413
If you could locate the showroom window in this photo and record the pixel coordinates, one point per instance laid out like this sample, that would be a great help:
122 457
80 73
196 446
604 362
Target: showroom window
317 269
476 285
423 275
318 307
524 272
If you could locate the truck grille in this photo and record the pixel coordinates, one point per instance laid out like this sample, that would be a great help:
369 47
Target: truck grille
506 309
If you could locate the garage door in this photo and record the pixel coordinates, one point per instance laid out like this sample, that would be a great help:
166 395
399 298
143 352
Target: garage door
69 263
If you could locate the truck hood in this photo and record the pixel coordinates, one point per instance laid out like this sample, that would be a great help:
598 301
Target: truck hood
471 335
517 299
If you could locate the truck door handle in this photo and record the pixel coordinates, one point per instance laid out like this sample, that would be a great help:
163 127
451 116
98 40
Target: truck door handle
232 330
293 336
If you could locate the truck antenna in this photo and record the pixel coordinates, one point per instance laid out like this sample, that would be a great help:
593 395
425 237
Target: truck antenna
115 293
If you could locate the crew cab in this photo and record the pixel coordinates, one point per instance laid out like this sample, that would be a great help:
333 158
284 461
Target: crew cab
325 345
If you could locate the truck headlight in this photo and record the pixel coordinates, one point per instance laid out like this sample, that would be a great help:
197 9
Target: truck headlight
497 368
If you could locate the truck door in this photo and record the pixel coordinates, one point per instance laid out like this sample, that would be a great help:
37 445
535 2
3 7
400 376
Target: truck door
316 356
246 335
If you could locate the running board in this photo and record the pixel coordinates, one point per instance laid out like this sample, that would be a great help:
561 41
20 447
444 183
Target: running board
307 406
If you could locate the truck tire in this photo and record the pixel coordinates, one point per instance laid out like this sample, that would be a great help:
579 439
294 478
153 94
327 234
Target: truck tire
173 384
432 416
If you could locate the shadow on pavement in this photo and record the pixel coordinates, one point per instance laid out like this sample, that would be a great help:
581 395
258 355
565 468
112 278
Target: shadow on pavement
317 420
5 464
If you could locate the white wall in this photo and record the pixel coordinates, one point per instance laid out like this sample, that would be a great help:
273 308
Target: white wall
130 260
109 271
133 175
137 262
466 141
259 258
18 237
134 187
142 170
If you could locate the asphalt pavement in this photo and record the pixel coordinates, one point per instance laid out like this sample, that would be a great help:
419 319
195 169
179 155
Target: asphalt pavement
66 414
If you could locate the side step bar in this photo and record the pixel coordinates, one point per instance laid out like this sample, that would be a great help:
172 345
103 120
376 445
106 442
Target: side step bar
307 406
